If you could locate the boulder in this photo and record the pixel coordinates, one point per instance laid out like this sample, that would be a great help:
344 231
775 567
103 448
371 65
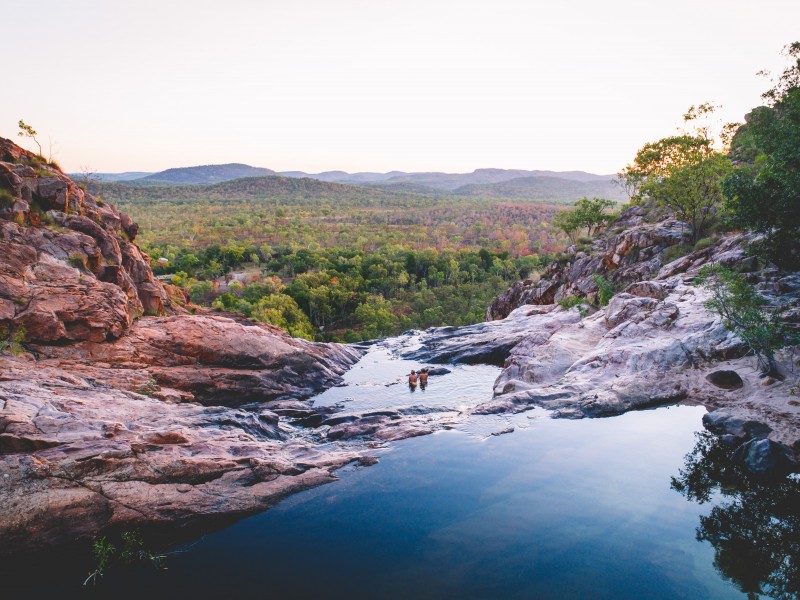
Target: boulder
765 457
725 379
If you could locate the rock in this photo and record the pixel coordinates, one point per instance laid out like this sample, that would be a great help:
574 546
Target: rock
726 421
647 289
217 360
80 455
765 457
489 342
632 254
103 423
433 371
81 280
725 379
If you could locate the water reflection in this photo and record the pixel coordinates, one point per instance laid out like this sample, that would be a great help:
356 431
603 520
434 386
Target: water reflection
755 527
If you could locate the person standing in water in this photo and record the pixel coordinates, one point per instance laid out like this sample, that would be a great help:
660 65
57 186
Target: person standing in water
423 378
412 380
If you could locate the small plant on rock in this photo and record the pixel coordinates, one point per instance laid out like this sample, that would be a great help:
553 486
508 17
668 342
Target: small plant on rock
77 260
605 289
744 311
13 341
26 130
574 302
6 198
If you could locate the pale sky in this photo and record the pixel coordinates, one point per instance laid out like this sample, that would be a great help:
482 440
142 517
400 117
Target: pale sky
356 85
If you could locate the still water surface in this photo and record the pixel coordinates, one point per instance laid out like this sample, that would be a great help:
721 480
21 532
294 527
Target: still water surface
556 509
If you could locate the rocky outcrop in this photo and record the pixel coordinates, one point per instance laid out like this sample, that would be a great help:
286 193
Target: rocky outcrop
125 408
78 456
213 360
631 252
71 270
654 343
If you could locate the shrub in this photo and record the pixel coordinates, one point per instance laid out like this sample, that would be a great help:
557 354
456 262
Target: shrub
605 289
743 311
132 551
6 198
200 291
574 302
763 192
675 252
702 244
77 260
13 341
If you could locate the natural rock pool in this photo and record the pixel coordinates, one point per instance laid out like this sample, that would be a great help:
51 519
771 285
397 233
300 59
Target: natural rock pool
553 509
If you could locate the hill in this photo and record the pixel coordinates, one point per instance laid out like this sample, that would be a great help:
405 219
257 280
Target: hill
275 188
543 188
200 175
453 181
109 177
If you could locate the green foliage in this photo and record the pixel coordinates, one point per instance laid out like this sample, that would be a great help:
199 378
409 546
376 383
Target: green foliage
103 552
675 252
574 302
282 311
567 222
763 192
26 130
590 215
6 198
605 289
133 551
683 173
743 311
702 244
15 337
77 260
330 249
200 291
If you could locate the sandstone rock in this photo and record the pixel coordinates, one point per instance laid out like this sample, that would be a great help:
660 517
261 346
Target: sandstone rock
217 360
103 427
80 281
725 379
631 255
76 456
765 457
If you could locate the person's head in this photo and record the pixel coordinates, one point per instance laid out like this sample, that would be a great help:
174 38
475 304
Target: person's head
423 370
413 371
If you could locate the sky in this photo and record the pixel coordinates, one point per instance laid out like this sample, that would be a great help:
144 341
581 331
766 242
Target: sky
372 85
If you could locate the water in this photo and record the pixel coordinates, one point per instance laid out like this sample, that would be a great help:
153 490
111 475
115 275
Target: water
560 510
556 509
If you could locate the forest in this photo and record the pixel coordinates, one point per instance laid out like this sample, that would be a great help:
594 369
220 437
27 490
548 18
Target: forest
326 263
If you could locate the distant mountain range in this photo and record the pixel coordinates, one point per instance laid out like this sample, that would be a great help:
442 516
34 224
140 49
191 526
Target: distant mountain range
482 183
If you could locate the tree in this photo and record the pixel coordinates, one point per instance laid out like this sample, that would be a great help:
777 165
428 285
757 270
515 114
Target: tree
592 214
566 221
683 173
28 131
282 311
762 194
587 214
